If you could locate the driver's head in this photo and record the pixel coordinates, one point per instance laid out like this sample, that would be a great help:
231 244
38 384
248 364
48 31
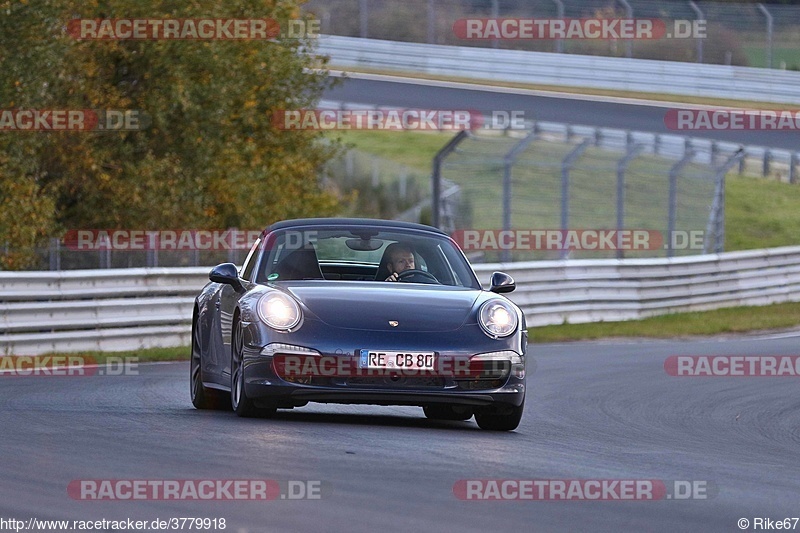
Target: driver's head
400 258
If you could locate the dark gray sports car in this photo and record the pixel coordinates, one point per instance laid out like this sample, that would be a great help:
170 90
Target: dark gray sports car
360 312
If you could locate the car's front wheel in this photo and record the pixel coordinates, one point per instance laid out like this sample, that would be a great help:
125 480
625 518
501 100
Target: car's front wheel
241 404
202 396
499 418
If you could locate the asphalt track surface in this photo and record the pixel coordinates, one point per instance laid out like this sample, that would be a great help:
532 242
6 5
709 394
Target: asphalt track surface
594 411
563 108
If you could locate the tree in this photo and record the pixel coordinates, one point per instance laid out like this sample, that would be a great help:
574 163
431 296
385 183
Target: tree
209 157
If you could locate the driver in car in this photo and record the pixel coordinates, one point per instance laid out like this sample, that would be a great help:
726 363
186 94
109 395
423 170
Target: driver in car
400 258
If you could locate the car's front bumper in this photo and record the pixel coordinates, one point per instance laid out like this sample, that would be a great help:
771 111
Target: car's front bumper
266 386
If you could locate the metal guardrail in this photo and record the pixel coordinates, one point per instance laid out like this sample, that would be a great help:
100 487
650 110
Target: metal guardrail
543 68
140 308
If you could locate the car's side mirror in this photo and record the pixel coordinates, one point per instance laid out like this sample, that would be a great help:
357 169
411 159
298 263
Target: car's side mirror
228 274
502 282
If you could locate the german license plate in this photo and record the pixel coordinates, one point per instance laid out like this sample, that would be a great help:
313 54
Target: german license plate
385 359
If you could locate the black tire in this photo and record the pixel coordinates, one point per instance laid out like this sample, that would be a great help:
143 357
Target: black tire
448 412
505 418
202 396
241 404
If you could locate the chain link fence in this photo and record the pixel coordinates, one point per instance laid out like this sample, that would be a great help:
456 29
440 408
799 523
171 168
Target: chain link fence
746 34
555 185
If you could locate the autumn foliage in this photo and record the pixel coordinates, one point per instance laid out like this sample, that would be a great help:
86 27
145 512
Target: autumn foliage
208 156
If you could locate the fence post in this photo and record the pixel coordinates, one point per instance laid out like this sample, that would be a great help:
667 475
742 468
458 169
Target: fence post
495 15
560 15
716 219
629 15
622 166
768 15
566 164
508 162
431 22
792 169
766 162
741 161
673 198
436 176
700 16
55 254
363 14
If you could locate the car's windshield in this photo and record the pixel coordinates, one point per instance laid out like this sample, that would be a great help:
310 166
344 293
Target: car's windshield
362 253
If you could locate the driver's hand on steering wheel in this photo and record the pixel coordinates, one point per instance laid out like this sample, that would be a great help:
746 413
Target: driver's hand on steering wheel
393 277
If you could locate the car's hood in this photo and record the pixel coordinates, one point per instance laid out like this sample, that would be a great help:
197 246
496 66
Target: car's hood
372 305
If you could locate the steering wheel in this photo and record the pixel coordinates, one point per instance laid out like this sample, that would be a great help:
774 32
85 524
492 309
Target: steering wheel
411 273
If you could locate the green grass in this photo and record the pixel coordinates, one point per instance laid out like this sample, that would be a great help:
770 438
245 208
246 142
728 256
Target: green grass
720 321
180 353
757 57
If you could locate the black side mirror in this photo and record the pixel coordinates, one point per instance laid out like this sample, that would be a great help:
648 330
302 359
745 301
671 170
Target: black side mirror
502 282
228 274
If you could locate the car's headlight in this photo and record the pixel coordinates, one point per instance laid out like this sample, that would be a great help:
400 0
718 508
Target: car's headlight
497 318
279 311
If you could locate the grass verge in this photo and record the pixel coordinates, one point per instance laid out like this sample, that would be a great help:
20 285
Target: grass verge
148 355
703 323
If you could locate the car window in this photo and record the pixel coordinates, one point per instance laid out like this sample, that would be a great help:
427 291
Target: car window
250 261
359 253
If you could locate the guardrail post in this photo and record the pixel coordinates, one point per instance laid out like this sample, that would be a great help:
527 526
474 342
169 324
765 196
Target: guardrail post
768 15
436 176
622 166
673 198
508 163
765 164
105 257
566 164
700 16
792 169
